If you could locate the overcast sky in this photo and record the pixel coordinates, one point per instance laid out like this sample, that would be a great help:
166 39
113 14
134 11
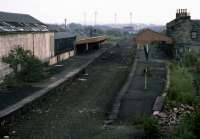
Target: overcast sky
144 11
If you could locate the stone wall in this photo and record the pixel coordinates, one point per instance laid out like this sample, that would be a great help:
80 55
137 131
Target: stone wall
180 30
41 45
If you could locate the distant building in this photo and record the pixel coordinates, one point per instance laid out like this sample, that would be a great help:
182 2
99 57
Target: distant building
129 29
22 30
185 31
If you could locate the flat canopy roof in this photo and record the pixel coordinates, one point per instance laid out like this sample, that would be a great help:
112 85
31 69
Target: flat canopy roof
88 40
148 36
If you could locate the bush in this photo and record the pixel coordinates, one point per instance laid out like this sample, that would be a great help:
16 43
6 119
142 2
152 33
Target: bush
150 125
26 67
190 59
181 85
33 70
11 82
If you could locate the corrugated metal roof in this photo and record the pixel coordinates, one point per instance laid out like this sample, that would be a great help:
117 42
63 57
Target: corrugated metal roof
13 22
61 35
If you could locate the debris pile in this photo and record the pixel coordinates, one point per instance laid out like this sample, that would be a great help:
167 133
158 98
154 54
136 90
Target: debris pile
170 116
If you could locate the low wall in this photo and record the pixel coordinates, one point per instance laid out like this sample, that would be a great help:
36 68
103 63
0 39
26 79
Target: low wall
61 57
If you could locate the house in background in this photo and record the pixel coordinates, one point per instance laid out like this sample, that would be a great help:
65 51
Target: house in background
185 32
22 30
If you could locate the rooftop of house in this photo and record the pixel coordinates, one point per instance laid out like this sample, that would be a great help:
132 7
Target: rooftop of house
148 36
14 22
183 15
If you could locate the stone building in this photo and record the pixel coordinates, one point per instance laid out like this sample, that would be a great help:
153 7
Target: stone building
185 32
21 30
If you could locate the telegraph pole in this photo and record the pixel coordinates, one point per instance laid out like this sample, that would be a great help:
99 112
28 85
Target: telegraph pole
85 18
65 23
115 18
131 18
95 18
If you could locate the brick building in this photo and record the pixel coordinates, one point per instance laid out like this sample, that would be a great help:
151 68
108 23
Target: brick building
185 31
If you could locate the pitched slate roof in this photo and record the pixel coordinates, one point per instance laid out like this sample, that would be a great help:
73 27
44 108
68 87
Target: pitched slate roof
14 22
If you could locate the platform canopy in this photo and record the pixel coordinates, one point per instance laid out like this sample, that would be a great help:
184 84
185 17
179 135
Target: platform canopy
88 40
148 36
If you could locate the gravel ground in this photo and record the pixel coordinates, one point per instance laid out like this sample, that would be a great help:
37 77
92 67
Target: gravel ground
77 108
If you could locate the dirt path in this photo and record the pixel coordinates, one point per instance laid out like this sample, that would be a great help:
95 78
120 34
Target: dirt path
77 108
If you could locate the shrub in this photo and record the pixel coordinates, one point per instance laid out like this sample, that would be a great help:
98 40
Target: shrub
190 59
150 125
11 82
181 85
26 67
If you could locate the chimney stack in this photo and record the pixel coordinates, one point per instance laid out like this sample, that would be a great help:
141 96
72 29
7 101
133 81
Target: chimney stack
182 13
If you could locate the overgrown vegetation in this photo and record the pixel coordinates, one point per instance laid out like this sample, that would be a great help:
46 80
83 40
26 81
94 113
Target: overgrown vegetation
184 88
190 59
150 126
181 85
26 68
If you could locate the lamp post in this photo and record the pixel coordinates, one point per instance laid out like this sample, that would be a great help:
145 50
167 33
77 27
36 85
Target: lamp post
146 51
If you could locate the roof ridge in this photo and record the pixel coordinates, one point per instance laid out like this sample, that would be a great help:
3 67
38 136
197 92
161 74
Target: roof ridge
14 13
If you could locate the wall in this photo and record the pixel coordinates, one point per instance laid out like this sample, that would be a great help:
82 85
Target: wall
41 44
61 57
180 30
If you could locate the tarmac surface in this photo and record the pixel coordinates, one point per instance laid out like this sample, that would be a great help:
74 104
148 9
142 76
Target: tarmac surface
137 100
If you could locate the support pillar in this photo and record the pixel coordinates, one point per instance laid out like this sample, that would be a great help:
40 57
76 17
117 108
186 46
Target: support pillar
87 48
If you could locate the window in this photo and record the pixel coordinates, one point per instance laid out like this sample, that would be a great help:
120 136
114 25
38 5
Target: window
194 35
